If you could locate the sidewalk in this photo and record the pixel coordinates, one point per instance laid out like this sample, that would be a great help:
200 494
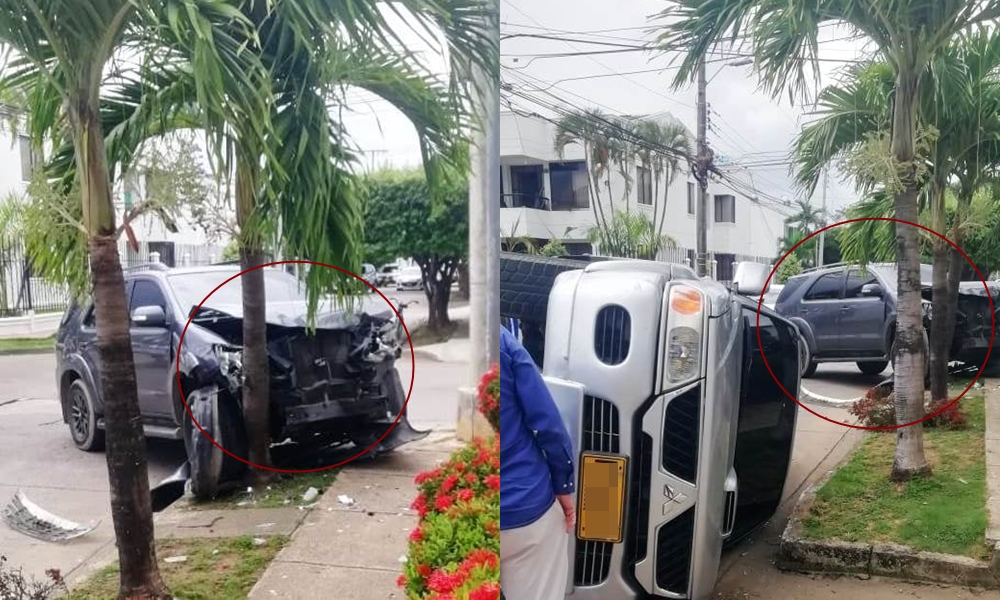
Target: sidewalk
351 546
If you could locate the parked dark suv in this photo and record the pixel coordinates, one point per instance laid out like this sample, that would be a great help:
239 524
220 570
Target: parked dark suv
848 314
336 385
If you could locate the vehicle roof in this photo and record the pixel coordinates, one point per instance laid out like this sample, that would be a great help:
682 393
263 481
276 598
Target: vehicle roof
220 268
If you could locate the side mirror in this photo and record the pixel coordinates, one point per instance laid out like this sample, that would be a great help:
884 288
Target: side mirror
872 290
149 316
750 279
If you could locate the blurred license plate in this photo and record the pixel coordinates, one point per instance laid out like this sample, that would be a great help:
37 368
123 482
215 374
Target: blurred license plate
601 497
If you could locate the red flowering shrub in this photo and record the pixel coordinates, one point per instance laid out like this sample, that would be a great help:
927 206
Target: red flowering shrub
951 418
875 408
489 396
454 551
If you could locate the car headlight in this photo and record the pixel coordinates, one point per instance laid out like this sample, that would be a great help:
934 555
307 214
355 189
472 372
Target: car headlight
684 333
230 363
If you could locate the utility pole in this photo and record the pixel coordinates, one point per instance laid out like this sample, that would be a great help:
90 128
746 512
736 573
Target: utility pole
702 166
484 228
822 217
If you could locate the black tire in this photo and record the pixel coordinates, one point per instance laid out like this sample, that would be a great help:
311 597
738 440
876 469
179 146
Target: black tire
810 370
83 418
872 368
210 466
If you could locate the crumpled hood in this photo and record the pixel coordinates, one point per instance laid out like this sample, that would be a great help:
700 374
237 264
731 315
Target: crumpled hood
975 288
293 313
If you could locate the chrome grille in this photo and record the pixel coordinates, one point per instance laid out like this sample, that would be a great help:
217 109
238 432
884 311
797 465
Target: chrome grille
612 335
600 425
600 434
680 435
674 544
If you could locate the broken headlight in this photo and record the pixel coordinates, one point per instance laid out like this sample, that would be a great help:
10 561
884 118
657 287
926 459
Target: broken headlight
230 364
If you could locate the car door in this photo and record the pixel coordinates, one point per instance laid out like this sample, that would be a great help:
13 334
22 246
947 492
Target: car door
820 308
151 351
766 422
862 318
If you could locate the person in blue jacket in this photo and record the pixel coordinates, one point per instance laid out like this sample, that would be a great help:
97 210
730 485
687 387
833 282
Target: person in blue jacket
536 481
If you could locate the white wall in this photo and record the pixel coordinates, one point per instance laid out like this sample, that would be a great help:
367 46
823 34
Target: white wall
527 140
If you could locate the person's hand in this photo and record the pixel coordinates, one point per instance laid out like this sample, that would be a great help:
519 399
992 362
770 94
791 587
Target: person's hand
566 501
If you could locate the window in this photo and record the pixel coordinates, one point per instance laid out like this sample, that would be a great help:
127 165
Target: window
147 293
526 186
691 198
28 157
725 209
568 181
826 287
856 280
645 179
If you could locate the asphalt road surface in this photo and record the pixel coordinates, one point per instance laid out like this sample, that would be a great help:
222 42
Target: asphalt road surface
38 456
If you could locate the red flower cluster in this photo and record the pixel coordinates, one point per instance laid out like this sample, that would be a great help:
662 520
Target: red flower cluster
489 396
454 551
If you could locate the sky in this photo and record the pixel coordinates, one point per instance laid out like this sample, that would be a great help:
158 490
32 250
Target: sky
748 126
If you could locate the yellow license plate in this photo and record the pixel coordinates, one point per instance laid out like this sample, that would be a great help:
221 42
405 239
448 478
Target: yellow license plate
601 497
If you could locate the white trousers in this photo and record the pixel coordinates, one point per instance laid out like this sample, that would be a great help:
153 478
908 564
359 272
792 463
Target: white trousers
534 559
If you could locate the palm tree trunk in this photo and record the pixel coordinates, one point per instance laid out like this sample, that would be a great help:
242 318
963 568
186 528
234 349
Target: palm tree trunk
910 350
256 367
941 335
128 475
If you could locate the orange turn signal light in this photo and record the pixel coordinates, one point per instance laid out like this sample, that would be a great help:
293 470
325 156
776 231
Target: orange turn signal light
685 301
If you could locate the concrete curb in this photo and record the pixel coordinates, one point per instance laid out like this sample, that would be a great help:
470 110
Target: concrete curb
820 400
992 400
863 560
25 351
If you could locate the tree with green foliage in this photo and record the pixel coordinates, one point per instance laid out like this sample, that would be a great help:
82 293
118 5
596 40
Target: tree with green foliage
790 267
958 120
61 51
907 35
629 235
402 219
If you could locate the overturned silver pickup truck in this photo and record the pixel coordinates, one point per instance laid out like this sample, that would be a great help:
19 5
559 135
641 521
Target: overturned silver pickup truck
336 385
683 438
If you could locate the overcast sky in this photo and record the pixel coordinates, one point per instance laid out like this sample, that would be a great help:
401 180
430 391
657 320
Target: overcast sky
748 126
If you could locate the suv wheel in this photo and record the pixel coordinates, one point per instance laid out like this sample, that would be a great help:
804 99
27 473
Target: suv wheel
810 370
83 418
873 368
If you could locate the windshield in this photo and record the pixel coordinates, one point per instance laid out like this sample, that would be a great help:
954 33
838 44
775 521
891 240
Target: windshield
411 272
888 274
191 288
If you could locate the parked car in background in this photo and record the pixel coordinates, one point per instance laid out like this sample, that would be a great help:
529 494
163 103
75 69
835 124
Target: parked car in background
387 275
334 385
369 274
848 314
409 278
682 437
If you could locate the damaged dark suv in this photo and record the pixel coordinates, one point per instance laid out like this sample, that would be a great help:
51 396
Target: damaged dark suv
336 385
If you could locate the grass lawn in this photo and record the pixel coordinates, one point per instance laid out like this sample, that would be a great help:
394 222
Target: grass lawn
215 569
287 490
25 344
945 512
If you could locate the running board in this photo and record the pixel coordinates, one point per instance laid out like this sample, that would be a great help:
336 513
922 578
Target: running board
154 431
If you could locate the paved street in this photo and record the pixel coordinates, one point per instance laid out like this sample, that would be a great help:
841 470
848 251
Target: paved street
38 455
841 381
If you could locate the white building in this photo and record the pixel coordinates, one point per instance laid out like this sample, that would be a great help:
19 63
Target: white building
546 197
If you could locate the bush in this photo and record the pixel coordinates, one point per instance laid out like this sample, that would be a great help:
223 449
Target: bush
15 585
489 396
454 551
790 267
875 409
